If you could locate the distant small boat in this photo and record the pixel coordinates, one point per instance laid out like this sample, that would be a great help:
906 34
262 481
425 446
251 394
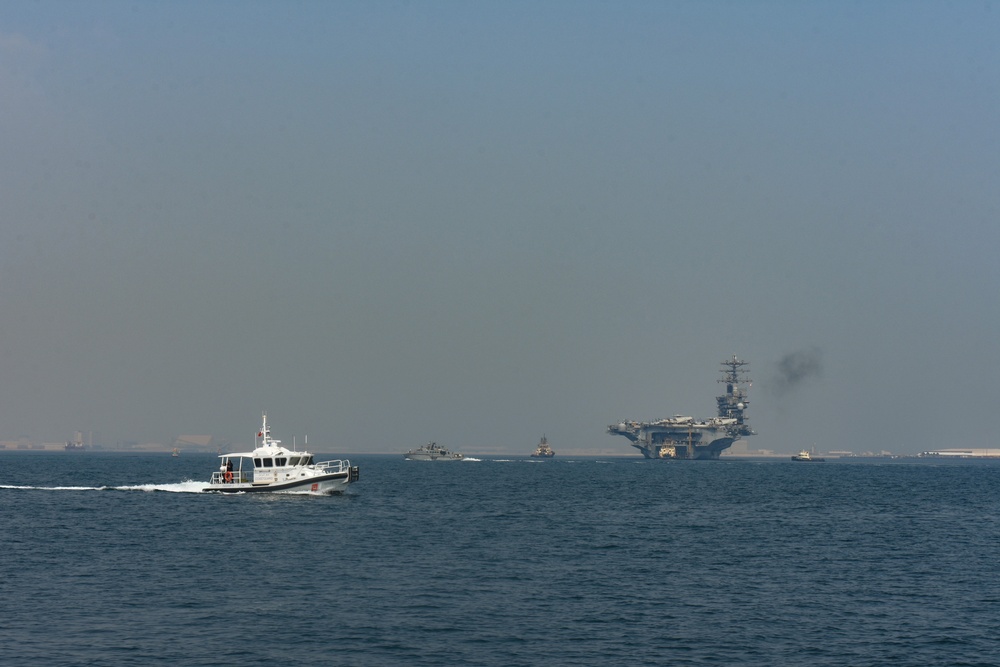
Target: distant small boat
543 451
432 452
806 456
176 452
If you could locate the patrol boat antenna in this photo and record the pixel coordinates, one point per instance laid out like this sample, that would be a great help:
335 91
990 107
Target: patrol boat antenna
681 437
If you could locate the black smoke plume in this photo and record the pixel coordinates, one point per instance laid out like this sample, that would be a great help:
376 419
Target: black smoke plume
795 368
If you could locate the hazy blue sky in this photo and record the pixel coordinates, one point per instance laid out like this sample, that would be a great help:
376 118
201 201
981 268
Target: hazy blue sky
394 222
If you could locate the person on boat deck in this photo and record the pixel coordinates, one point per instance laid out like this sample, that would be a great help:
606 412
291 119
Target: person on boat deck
229 469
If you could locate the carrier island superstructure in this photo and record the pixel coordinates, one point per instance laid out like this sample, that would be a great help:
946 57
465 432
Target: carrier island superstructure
688 438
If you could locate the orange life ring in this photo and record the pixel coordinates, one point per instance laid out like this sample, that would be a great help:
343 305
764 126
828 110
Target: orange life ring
228 476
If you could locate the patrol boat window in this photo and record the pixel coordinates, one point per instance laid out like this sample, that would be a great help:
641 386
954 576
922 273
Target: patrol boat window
256 463
280 462
294 461
268 463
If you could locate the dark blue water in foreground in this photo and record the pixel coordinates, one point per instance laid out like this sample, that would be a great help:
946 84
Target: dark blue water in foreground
502 562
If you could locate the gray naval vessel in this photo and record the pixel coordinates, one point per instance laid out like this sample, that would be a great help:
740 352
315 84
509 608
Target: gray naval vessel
682 437
432 452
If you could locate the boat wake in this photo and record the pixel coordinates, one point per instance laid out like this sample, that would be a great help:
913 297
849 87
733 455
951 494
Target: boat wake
188 486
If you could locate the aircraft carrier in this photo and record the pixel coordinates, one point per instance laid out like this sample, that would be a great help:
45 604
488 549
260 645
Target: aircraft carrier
682 437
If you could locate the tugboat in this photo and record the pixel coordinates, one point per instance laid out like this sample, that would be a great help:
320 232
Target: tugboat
432 452
543 451
804 455
272 468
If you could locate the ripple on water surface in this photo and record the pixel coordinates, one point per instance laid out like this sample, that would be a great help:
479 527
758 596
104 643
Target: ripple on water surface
117 559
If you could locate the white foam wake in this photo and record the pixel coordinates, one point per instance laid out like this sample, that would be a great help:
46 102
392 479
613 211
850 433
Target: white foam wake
189 486
54 488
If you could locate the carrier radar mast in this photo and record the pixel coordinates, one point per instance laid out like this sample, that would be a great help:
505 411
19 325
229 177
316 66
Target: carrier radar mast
734 401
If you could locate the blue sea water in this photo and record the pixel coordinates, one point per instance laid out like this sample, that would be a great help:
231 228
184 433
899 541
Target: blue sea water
116 559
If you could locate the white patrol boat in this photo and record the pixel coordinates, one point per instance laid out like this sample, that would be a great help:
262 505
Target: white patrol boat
272 468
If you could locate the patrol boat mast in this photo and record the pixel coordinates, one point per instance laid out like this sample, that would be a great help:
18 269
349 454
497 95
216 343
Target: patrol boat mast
683 437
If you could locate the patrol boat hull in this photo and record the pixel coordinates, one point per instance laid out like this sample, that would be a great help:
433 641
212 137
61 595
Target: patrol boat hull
322 485
420 456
